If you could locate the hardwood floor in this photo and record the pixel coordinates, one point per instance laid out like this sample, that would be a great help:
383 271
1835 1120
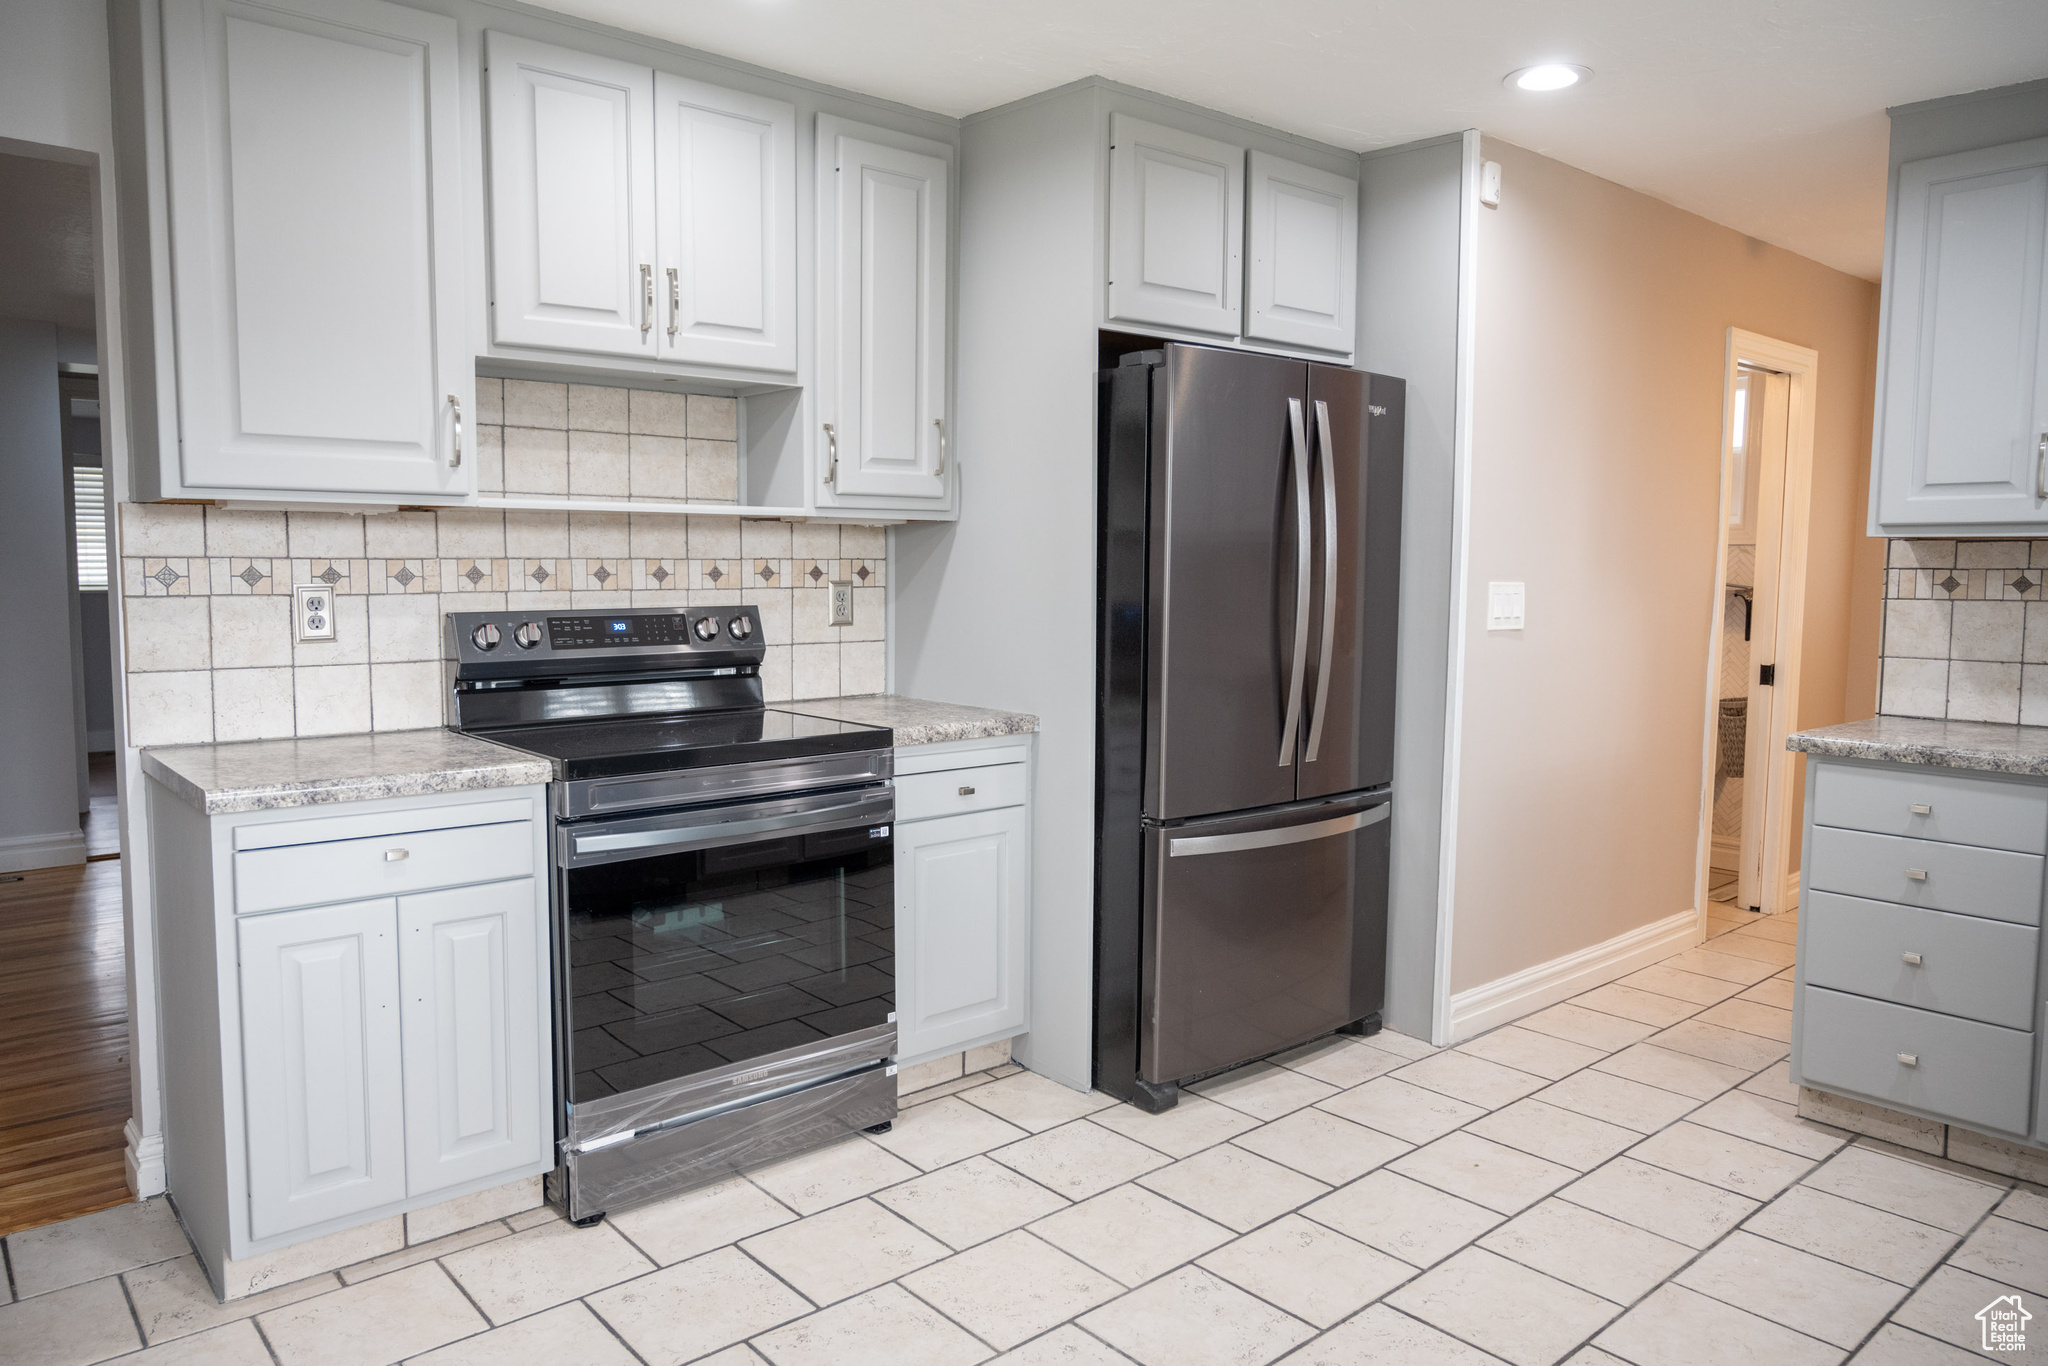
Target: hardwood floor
64 1035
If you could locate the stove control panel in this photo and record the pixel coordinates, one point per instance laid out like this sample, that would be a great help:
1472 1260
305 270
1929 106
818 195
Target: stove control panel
523 643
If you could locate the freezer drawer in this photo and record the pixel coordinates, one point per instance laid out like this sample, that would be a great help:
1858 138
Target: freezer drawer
1261 932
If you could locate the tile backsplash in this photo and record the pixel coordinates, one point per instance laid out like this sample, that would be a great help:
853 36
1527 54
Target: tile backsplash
601 442
206 597
1966 631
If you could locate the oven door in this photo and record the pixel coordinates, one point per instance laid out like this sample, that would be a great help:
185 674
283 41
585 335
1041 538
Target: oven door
715 957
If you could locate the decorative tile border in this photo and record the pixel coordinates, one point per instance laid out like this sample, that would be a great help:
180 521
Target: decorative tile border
1966 631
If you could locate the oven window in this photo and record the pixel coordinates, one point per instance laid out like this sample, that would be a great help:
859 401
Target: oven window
686 962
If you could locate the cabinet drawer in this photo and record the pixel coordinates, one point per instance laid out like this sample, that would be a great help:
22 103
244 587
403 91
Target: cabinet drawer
921 795
1995 815
1978 969
1978 1075
1994 883
387 865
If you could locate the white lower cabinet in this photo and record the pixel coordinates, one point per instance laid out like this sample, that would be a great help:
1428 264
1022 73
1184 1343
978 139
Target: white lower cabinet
963 898
368 1039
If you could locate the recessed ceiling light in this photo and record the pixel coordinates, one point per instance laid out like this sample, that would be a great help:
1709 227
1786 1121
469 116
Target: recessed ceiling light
1548 76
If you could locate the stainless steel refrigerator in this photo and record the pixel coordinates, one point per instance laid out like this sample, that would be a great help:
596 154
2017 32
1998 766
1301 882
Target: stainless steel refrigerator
1250 521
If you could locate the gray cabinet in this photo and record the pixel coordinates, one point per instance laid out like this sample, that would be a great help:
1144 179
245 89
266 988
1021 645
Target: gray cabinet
884 209
1962 419
1919 984
1301 268
1176 228
963 853
317 254
363 1037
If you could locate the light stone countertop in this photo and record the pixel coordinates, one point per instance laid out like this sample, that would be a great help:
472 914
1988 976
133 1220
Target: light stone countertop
272 775
918 722
1980 746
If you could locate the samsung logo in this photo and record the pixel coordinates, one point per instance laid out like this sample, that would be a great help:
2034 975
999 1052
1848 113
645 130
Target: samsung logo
758 1074
1375 410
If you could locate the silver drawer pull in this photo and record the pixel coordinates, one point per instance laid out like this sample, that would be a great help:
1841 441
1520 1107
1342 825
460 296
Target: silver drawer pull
1910 1059
1910 959
397 855
1921 809
967 792
1916 875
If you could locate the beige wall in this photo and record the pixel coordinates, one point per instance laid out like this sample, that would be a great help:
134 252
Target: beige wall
1602 323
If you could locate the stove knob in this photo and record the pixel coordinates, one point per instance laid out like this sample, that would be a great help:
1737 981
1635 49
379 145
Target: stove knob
485 636
741 627
528 635
706 628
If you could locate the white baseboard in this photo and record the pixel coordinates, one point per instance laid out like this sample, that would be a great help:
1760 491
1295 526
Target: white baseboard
1511 997
1725 855
144 1159
19 853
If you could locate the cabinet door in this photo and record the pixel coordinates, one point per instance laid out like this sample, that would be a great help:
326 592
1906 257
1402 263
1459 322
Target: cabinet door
884 210
1176 227
725 181
320 1063
1964 412
961 936
572 200
318 250
472 1012
1301 286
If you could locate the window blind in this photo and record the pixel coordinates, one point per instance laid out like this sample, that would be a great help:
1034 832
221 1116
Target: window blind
89 520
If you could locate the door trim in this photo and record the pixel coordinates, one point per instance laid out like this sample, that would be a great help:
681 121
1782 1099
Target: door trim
1801 366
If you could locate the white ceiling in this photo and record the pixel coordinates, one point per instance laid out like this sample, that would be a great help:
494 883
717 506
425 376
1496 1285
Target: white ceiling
46 257
1765 115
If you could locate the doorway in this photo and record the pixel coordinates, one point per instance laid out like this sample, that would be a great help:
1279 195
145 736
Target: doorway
1749 835
64 1019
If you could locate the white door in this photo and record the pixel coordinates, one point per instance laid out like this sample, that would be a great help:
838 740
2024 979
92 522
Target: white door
1963 419
572 199
472 1028
318 252
884 210
1301 280
1176 227
960 930
725 179
320 1063
1770 708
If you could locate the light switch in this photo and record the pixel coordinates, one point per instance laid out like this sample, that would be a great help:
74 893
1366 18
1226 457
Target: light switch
313 611
1504 603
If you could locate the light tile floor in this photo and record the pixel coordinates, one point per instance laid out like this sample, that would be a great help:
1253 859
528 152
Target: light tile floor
1622 1178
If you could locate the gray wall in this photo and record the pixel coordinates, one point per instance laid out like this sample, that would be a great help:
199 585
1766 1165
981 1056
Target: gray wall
1410 201
38 758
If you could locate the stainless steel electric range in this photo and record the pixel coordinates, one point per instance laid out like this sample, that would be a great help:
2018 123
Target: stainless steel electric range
724 894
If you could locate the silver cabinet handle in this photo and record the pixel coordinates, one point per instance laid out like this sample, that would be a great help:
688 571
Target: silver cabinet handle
2041 467
1329 459
1291 725
1910 1059
1916 875
832 446
1910 959
1921 809
397 855
940 423
967 792
455 454
675 301
646 299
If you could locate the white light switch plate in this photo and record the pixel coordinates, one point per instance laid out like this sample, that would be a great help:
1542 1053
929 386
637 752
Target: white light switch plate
312 611
1504 606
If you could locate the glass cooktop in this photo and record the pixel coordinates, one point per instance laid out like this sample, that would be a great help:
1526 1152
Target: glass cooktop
657 744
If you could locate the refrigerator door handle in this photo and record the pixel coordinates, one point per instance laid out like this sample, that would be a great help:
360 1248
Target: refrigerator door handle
1329 464
1290 728
1266 839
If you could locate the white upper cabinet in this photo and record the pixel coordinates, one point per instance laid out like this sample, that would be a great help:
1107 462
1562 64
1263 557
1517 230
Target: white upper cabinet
1301 286
725 180
572 200
1963 410
884 208
317 248
1176 228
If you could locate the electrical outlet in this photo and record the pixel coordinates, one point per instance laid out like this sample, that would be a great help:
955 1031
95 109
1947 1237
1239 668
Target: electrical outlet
842 604
313 611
